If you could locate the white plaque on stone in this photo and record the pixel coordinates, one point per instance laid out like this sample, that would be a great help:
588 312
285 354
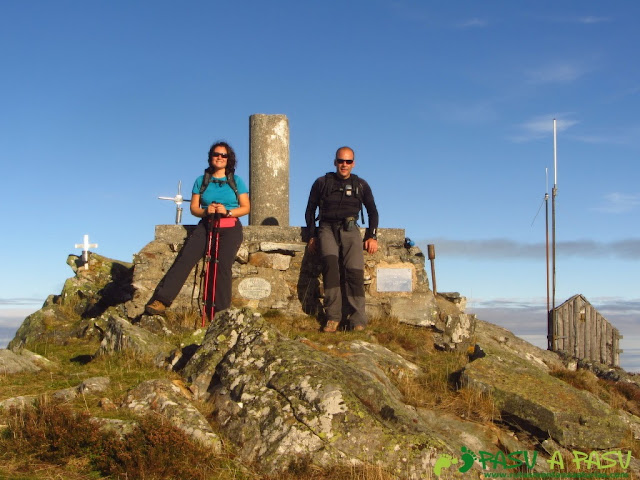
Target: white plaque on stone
254 288
394 279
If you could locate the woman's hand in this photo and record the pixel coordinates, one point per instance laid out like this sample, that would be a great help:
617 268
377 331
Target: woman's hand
218 208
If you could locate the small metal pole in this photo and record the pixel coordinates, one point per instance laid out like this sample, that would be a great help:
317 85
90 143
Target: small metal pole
431 250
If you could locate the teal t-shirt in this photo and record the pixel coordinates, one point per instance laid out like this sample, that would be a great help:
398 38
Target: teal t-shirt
219 191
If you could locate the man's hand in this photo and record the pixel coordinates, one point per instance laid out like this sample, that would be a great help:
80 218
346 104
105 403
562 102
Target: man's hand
371 245
312 246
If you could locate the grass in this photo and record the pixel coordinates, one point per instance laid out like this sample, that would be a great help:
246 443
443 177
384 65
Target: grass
619 395
184 318
72 363
67 443
69 306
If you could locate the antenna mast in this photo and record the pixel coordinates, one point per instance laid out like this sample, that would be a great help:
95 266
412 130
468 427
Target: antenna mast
546 230
554 193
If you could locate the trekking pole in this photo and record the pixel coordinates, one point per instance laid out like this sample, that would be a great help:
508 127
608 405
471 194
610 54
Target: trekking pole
214 224
207 262
215 267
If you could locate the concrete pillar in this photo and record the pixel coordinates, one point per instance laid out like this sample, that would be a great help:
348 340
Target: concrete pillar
269 169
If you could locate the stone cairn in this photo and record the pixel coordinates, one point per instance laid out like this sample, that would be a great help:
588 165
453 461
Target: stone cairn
273 269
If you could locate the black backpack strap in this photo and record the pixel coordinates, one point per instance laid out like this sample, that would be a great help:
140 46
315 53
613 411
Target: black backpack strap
325 189
232 183
230 180
358 187
206 179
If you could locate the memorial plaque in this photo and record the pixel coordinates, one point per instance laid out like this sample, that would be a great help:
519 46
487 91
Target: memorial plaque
254 288
394 279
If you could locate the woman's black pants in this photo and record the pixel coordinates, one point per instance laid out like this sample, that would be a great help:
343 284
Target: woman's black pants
229 240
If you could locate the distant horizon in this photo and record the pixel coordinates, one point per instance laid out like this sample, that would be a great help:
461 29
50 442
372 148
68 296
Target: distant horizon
629 358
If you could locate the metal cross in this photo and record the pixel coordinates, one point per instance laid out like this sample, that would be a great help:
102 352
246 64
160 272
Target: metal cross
85 246
178 201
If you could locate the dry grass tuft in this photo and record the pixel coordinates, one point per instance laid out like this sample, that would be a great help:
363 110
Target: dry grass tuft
185 318
304 469
474 405
412 342
70 306
58 436
619 395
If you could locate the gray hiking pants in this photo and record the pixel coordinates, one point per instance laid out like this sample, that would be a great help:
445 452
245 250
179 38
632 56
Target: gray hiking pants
336 244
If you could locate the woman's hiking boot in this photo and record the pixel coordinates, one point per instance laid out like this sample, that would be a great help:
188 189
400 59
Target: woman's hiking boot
155 308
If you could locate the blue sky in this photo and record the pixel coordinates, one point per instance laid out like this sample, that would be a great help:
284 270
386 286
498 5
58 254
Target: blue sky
448 105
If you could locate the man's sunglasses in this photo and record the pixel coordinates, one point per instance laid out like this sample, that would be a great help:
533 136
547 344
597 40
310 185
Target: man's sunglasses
218 154
344 160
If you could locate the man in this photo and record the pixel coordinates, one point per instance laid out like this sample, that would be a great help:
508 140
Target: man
340 197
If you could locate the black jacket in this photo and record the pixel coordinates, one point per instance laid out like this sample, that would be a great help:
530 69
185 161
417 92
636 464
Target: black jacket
331 194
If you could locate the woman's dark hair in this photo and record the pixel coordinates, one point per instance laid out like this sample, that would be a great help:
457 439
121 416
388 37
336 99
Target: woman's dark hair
231 160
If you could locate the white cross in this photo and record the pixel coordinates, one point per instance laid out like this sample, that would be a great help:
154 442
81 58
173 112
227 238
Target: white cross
85 246
178 199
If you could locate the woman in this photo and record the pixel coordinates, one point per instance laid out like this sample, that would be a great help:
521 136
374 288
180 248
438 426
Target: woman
219 207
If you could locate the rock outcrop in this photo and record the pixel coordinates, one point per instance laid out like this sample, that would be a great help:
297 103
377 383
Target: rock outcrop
279 400
172 401
121 335
20 361
89 386
521 391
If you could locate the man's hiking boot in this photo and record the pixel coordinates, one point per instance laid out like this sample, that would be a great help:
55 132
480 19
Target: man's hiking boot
155 308
331 326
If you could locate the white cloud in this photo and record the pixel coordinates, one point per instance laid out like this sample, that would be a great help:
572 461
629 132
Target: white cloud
590 20
472 114
618 136
559 72
13 317
541 126
619 203
473 23
506 249
20 301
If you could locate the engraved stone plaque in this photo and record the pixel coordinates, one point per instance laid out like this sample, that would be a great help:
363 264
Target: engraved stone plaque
254 288
394 279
